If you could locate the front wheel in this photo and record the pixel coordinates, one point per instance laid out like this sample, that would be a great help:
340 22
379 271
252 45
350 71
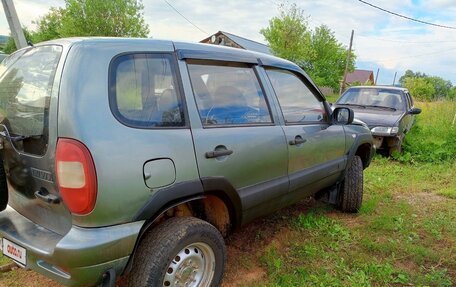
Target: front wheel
183 251
395 149
351 192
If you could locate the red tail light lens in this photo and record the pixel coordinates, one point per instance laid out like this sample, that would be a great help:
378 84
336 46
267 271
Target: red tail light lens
76 176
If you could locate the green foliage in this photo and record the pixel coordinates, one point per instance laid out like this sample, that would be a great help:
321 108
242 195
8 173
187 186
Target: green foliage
433 138
10 46
115 18
318 52
49 26
326 64
452 93
288 34
332 98
426 87
420 88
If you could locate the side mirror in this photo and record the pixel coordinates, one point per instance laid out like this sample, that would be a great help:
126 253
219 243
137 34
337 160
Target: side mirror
415 111
342 116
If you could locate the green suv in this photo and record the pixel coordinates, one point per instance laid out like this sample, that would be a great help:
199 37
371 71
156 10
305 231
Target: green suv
134 158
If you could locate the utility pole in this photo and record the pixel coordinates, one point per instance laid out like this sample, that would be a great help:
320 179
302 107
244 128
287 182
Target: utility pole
342 86
376 77
394 81
14 24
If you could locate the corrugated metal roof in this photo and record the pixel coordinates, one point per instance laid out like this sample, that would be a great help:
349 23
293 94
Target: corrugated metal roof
249 44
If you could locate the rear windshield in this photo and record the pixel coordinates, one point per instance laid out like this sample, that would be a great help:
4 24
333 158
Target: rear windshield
377 97
25 92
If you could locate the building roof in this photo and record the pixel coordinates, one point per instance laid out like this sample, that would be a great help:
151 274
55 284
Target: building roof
361 76
244 43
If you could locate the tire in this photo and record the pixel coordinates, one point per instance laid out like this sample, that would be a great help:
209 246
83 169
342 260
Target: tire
177 249
3 187
397 148
351 193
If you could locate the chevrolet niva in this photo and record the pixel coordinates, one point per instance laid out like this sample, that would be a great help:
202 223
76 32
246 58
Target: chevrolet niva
134 158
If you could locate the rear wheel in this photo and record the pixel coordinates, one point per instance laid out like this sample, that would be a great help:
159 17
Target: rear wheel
183 251
351 193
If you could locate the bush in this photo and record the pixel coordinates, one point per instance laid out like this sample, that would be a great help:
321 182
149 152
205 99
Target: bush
433 138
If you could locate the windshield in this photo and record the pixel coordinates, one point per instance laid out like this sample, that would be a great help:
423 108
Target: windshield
377 97
25 89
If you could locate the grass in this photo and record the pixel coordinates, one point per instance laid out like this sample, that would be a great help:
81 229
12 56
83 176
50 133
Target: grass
332 98
405 234
433 138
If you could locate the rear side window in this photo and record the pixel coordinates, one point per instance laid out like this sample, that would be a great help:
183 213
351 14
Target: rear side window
144 91
298 103
228 94
25 93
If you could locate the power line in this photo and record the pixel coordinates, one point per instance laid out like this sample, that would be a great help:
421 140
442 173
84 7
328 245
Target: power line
403 41
414 56
406 17
194 25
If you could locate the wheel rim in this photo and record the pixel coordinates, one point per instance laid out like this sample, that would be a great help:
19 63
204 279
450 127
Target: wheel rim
194 266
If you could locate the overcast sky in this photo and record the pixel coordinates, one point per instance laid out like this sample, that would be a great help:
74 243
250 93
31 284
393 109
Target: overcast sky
381 40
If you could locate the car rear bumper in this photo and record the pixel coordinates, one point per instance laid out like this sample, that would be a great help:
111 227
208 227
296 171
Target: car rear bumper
79 258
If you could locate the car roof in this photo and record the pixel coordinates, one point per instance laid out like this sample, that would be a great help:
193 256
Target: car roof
190 50
381 87
187 50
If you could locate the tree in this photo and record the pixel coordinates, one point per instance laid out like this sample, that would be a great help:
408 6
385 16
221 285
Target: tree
49 26
327 62
115 18
318 52
10 46
452 93
442 88
411 74
420 88
288 34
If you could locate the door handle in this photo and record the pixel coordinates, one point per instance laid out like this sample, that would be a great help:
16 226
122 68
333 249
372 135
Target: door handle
297 140
218 153
47 197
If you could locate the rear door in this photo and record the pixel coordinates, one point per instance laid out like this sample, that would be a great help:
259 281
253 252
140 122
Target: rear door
316 149
236 135
28 101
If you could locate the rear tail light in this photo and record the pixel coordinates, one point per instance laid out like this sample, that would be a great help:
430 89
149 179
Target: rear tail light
76 176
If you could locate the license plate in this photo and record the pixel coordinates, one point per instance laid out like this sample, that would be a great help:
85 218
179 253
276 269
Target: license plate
14 251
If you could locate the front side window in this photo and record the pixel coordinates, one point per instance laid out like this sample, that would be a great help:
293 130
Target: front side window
144 91
25 93
228 94
298 103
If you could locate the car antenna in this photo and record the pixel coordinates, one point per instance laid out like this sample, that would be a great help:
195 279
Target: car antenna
30 43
